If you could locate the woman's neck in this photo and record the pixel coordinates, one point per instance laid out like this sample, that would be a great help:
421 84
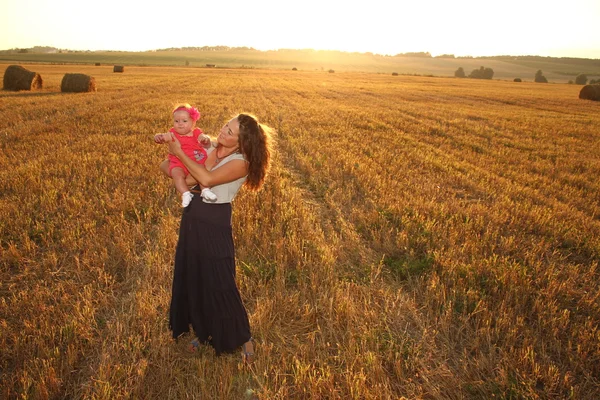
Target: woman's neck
221 152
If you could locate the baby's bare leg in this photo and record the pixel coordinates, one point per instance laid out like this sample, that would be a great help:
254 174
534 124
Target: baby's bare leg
178 175
164 167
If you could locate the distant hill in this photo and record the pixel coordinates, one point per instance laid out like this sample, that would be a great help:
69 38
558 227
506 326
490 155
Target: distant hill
36 49
505 67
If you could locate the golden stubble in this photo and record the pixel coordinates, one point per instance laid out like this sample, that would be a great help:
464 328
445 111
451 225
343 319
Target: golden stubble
417 237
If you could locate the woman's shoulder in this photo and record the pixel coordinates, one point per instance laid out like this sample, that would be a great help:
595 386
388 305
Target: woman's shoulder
237 156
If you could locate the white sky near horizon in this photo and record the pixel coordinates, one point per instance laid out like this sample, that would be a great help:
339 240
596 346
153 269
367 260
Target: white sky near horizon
462 28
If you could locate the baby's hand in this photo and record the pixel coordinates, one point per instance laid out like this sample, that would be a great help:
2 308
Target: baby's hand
204 140
160 138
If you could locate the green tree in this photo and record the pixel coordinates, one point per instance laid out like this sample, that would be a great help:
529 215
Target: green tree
488 73
581 79
460 73
539 77
482 73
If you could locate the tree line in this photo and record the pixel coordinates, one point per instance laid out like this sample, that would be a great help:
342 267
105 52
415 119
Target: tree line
488 73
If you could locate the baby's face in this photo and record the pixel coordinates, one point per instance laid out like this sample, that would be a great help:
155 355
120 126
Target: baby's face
182 122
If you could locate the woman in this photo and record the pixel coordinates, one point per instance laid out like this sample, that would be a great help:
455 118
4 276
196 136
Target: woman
204 289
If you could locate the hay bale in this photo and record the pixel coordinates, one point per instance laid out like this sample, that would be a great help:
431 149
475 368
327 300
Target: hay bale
394 74
97 64
211 65
119 68
76 83
517 80
590 92
18 78
331 71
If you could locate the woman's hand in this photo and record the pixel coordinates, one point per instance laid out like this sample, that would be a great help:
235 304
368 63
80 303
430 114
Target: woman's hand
174 145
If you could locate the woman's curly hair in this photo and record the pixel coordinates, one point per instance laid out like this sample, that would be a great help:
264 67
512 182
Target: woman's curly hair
255 141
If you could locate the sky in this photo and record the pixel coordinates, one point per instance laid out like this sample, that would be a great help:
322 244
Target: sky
463 28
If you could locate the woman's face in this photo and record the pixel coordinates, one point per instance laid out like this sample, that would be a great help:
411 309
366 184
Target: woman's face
229 134
182 122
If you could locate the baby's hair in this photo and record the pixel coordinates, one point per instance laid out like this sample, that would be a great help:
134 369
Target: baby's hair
182 106
192 111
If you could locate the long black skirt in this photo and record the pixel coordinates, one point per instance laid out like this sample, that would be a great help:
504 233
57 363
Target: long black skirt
205 294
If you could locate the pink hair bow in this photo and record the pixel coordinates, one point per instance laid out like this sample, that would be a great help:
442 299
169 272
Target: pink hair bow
193 111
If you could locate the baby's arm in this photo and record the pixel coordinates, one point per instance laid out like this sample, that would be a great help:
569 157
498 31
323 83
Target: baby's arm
161 138
204 141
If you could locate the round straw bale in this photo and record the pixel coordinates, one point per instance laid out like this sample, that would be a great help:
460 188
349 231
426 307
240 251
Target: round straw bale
119 68
18 78
590 92
78 83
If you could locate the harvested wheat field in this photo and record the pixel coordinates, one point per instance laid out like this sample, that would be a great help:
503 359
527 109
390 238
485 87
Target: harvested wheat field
418 238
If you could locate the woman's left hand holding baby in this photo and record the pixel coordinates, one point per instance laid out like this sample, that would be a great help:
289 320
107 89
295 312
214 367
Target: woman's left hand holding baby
174 145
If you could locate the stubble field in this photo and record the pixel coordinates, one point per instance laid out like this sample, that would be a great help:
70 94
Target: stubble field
418 237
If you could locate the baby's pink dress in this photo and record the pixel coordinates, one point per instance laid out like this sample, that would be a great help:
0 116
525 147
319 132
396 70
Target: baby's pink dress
191 148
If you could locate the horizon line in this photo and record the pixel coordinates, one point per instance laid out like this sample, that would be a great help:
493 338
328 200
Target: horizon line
423 54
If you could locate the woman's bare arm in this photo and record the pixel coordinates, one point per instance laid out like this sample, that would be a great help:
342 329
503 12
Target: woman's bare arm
229 172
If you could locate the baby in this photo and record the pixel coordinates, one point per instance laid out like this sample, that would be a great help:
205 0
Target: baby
194 144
